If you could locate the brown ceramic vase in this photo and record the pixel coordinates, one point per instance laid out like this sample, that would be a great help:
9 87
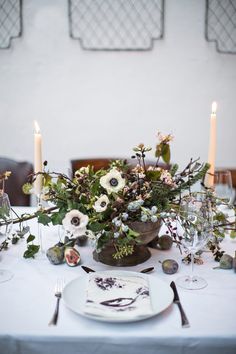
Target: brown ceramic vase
148 231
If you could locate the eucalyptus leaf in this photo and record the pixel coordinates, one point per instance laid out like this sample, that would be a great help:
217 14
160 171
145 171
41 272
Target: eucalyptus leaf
30 238
31 251
165 153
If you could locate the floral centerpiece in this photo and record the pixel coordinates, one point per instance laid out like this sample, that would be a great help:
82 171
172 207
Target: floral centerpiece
120 209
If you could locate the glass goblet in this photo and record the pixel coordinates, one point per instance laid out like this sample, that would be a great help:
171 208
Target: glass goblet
5 229
223 186
196 224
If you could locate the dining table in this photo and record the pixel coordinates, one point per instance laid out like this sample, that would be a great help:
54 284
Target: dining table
27 303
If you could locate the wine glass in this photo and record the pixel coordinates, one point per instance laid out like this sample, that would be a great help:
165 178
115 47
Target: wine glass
5 229
223 186
196 222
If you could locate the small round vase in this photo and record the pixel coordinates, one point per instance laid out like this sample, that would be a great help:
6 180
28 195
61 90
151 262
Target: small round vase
148 231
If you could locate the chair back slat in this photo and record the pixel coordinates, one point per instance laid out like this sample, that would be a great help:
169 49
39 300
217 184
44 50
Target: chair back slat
20 172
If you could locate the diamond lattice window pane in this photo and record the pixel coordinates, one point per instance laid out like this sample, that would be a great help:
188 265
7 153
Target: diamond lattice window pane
10 21
221 24
116 24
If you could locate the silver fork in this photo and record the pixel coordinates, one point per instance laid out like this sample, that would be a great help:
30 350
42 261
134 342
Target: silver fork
58 291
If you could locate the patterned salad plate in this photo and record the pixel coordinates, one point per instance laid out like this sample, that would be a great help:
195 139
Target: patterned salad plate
119 305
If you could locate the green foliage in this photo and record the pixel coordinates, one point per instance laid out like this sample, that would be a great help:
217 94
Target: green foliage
32 249
43 218
163 151
191 179
103 240
132 234
123 251
4 213
233 234
57 217
96 226
15 237
174 169
146 192
47 179
153 175
30 238
166 153
161 197
27 188
220 217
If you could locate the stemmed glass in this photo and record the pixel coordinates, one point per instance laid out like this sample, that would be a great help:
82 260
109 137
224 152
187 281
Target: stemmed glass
5 229
223 185
196 224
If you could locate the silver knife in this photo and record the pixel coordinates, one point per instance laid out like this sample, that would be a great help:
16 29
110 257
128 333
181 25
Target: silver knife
87 269
90 270
184 319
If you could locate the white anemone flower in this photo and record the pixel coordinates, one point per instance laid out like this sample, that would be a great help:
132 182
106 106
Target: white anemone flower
112 181
75 222
101 204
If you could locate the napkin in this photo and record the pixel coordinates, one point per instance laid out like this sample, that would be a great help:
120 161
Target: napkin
118 296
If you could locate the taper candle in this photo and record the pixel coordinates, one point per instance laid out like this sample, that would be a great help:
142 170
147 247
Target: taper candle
212 147
38 165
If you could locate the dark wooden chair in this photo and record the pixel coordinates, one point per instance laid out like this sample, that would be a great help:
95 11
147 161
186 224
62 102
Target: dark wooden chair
104 162
233 174
19 175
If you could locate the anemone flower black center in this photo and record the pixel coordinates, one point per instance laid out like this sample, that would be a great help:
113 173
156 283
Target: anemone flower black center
103 204
113 182
75 221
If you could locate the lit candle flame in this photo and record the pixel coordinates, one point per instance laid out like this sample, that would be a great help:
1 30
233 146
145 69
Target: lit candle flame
36 127
214 107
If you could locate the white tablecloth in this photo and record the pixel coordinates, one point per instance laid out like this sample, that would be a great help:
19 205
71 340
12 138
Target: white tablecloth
27 303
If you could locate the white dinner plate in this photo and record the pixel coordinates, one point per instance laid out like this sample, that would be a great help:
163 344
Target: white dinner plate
74 296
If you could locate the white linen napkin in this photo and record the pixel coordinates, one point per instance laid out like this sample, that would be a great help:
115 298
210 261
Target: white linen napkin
119 297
